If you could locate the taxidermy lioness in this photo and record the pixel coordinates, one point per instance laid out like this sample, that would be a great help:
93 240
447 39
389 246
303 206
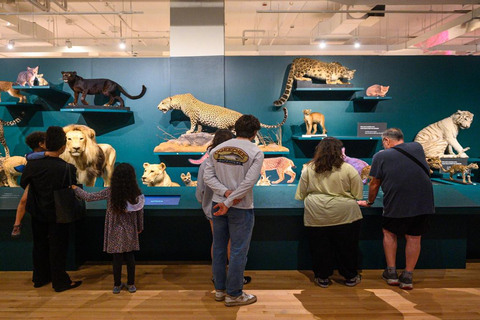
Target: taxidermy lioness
106 87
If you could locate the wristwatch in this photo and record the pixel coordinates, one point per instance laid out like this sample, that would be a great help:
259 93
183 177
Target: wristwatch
370 203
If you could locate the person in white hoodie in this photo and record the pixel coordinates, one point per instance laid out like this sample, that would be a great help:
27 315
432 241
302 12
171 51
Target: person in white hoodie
123 221
231 171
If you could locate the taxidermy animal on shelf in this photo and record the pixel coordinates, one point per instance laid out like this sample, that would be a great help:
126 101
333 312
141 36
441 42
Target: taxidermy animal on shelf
365 174
311 120
204 114
434 163
466 171
27 77
377 90
187 179
92 160
264 181
306 69
155 175
7 168
358 164
6 86
282 165
2 133
106 87
41 80
442 135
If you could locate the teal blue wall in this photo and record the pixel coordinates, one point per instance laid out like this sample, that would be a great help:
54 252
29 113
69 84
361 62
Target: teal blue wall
424 90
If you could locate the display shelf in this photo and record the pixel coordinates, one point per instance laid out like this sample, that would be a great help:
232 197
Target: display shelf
51 95
371 98
18 104
324 92
367 104
316 137
179 153
94 109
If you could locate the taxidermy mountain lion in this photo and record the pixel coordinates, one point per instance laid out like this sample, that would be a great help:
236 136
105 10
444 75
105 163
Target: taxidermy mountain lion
106 87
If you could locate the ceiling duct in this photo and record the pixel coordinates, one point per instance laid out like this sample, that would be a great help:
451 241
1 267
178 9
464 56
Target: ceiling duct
43 5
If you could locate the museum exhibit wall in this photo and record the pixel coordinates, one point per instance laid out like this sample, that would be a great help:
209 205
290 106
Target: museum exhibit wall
424 90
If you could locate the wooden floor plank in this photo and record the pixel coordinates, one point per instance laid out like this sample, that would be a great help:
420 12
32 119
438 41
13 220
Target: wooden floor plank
186 292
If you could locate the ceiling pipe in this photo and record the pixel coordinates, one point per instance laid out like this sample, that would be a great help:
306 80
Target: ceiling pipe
68 13
369 11
245 38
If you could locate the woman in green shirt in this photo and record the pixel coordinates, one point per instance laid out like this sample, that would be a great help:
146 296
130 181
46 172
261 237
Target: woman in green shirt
329 188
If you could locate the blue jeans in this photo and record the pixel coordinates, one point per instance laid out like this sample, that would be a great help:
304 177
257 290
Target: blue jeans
236 225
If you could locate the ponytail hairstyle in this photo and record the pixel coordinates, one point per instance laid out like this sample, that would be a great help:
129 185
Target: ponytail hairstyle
123 187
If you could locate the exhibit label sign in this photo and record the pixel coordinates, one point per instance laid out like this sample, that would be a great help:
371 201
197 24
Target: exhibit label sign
370 129
448 162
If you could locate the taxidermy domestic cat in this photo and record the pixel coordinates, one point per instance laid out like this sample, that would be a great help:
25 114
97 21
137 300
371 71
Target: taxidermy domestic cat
6 86
311 119
377 90
106 87
27 77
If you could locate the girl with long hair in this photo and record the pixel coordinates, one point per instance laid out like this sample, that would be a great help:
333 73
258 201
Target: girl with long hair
329 188
123 221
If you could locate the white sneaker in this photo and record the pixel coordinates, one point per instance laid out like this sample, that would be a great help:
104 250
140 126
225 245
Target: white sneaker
220 295
241 300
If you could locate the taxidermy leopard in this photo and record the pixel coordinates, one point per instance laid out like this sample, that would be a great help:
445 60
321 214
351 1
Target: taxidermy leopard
204 114
331 73
106 87
2 134
464 170
282 165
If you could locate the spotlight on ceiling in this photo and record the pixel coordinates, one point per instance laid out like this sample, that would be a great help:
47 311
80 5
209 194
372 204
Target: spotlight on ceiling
68 43
122 44
356 44
11 44
322 44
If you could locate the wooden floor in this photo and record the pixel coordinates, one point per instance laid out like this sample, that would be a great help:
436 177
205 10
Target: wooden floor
185 292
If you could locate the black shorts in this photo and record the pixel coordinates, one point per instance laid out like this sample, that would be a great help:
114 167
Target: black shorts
412 226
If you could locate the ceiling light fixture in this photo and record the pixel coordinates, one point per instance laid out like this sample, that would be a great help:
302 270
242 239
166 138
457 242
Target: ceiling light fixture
11 44
322 44
68 43
122 44
356 44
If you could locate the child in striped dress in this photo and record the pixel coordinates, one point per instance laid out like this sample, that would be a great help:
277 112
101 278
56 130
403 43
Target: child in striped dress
123 221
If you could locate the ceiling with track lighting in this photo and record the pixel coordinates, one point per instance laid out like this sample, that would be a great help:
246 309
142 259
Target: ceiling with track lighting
78 28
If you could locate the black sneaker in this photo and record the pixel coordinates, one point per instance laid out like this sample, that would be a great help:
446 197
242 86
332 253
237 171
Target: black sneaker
247 280
354 281
324 283
405 282
390 277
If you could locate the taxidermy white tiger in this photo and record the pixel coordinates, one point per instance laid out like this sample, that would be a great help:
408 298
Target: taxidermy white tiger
204 114
442 135
331 73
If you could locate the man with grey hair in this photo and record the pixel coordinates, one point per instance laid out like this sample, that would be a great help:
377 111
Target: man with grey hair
403 173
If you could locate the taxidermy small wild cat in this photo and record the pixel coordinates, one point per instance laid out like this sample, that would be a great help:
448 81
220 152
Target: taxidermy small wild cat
6 86
2 136
41 80
27 77
106 87
464 170
377 91
311 119
187 179
282 165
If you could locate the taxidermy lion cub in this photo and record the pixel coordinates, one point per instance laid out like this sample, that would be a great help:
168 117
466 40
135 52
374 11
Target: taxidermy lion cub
311 119
106 87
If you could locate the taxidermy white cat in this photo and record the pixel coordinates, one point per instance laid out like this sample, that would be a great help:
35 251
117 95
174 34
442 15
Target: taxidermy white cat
377 90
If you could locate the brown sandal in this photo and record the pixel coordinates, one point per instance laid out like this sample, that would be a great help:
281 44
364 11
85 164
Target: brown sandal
17 230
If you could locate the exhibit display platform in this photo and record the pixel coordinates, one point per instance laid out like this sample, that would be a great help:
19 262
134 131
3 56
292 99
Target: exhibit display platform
176 230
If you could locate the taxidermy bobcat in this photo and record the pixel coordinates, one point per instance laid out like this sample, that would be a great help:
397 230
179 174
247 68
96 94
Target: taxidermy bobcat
282 165
377 91
106 87
465 170
187 179
6 86
311 119
331 73
2 135
27 77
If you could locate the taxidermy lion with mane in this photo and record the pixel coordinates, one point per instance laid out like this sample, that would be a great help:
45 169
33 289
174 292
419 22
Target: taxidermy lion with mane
92 160
442 135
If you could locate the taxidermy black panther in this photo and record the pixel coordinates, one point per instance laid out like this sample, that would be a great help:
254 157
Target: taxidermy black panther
106 87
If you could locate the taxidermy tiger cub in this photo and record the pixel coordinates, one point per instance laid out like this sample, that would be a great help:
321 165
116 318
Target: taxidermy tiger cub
106 87
331 73
2 135
27 77
6 86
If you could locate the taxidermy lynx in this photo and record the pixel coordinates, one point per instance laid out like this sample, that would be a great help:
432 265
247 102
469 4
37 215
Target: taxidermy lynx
311 119
2 136
187 179
6 86
465 170
106 87
377 90
27 77
282 165
331 73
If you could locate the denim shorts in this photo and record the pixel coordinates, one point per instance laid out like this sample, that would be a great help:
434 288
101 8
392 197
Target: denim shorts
412 226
